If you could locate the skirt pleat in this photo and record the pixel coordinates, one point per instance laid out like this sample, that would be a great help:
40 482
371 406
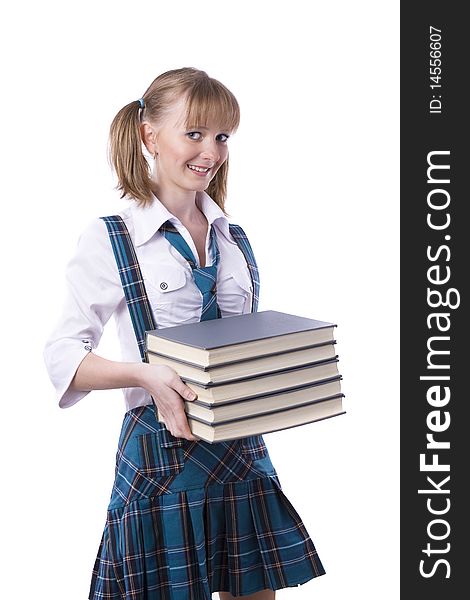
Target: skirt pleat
197 522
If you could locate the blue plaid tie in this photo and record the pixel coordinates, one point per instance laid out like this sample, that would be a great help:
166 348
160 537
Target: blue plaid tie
204 277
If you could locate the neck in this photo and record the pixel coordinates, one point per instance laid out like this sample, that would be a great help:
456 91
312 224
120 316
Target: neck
181 203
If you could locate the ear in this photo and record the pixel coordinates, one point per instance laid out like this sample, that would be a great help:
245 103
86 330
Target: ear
149 137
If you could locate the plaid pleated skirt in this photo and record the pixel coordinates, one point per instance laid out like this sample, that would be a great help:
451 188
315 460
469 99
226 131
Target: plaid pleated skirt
186 519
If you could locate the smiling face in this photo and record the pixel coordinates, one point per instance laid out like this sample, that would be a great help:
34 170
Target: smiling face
188 156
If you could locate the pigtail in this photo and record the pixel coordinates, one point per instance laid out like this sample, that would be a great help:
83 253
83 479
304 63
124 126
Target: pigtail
217 188
126 156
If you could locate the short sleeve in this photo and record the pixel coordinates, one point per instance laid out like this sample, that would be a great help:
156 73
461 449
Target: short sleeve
93 292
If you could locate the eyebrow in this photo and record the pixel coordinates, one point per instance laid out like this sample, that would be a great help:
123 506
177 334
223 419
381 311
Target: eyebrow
201 127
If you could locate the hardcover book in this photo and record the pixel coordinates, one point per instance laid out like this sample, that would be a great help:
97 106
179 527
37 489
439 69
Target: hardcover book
265 423
270 383
240 337
262 404
319 355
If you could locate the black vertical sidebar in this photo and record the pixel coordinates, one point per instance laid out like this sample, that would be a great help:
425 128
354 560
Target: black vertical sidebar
434 262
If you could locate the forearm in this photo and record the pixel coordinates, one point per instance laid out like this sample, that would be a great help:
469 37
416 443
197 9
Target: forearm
98 373
163 384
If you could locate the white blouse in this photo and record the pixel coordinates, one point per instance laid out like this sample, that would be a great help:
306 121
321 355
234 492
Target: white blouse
94 290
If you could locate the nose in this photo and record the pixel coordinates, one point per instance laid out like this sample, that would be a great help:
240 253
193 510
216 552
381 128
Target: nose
210 151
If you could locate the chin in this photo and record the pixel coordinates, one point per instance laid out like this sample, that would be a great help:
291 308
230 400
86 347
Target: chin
200 187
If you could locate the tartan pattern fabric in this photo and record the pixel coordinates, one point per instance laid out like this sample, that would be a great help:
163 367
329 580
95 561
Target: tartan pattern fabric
243 243
204 277
205 518
131 280
188 518
254 446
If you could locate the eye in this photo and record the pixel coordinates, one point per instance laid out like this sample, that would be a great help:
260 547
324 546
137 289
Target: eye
194 135
222 137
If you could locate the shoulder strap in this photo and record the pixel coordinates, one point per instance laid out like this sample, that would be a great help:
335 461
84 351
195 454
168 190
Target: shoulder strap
131 279
243 243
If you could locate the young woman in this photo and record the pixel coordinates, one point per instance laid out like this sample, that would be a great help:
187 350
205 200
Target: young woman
186 518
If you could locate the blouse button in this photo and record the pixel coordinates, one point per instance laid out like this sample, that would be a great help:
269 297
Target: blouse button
163 285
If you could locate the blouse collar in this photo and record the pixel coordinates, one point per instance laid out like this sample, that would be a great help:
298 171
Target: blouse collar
148 220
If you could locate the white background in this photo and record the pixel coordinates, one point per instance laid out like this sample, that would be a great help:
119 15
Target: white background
314 182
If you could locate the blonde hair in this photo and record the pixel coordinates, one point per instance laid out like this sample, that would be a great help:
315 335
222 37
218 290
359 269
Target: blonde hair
207 100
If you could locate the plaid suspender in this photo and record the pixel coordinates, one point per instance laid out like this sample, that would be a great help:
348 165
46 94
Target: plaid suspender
242 241
133 282
131 279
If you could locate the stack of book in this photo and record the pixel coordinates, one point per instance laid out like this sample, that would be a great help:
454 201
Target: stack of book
252 373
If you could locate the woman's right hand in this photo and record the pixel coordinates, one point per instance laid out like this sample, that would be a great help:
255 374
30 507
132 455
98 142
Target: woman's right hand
162 382
169 392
